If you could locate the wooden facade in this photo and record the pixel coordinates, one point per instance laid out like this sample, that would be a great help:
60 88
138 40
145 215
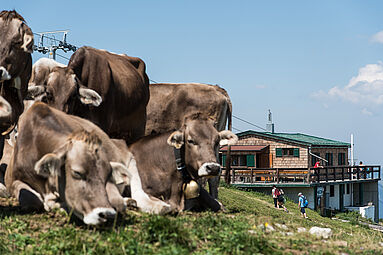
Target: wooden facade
266 150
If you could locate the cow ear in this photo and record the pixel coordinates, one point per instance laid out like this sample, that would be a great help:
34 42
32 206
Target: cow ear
89 96
35 91
176 139
120 173
227 138
5 108
27 45
48 165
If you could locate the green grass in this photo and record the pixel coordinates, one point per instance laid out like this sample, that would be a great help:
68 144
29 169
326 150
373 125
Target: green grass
232 232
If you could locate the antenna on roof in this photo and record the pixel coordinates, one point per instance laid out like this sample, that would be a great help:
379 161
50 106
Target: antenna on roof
270 124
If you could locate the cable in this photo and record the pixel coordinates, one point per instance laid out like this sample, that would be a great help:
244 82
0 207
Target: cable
236 129
153 81
51 38
62 56
249 122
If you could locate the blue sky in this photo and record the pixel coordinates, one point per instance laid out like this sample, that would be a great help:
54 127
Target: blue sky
316 65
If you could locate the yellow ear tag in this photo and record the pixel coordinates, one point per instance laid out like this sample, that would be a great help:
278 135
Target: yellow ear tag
191 189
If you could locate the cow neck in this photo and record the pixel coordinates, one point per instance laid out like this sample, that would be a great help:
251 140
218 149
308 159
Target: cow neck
181 166
14 83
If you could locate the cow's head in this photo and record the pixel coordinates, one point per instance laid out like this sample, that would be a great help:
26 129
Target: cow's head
201 142
82 169
16 40
63 91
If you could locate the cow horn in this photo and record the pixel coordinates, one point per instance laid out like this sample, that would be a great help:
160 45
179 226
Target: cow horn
9 130
27 43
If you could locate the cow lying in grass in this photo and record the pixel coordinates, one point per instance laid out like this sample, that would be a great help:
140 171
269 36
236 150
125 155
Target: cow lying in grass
170 163
63 160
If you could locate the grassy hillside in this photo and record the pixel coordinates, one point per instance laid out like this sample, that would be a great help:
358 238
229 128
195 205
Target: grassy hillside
241 230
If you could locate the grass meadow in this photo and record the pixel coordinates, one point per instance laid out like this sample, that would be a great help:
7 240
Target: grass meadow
243 229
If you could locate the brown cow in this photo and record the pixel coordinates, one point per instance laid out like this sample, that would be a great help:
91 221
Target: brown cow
64 91
61 158
41 70
168 161
16 42
169 104
116 84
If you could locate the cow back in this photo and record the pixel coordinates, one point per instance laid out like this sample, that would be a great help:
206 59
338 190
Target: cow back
122 83
170 103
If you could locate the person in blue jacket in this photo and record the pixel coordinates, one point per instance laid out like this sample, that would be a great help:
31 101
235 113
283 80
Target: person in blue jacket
302 204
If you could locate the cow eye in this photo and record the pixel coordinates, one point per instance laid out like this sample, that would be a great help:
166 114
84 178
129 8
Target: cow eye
77 175
190 141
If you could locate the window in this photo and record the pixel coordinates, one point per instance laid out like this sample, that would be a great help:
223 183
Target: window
250 160
314 159
341 159
332 191
348 189
239 160
223 159
287 152
329 159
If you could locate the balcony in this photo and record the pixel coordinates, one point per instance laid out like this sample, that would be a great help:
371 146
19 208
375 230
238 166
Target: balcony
249 176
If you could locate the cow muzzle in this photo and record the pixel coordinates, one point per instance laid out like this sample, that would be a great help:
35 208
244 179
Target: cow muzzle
209 169
99 215
4 75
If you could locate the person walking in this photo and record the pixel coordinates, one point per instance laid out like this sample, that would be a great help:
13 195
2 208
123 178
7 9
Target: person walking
275 193
282 200
302 204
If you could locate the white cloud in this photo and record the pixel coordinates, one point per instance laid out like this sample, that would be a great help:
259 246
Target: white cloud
365 89
366 112
378 37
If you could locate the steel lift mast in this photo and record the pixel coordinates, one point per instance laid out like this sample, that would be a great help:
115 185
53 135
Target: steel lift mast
52 44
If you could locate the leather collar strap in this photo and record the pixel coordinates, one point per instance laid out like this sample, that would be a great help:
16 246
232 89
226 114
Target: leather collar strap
180 162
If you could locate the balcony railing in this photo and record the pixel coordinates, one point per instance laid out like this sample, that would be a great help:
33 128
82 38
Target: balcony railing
304 175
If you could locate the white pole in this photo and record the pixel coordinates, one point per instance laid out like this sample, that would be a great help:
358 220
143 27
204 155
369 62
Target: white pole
352 150
352 163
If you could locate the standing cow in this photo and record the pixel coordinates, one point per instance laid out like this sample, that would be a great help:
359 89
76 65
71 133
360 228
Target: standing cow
170 103
64 160
111 90
16 42
169 164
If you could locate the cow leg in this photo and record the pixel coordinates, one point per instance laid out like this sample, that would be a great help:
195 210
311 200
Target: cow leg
28 198
144 202
3 189
203 202
213 186
2 140
118 202
50 201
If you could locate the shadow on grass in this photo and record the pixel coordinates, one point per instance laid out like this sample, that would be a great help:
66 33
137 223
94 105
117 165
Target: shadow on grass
8 211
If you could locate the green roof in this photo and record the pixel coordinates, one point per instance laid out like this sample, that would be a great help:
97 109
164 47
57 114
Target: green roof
299 138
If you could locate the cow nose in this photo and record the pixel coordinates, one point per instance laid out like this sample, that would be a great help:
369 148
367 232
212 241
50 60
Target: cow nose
107 215
213 168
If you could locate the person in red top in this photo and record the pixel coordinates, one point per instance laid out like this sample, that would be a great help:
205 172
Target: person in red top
317 164
275 192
